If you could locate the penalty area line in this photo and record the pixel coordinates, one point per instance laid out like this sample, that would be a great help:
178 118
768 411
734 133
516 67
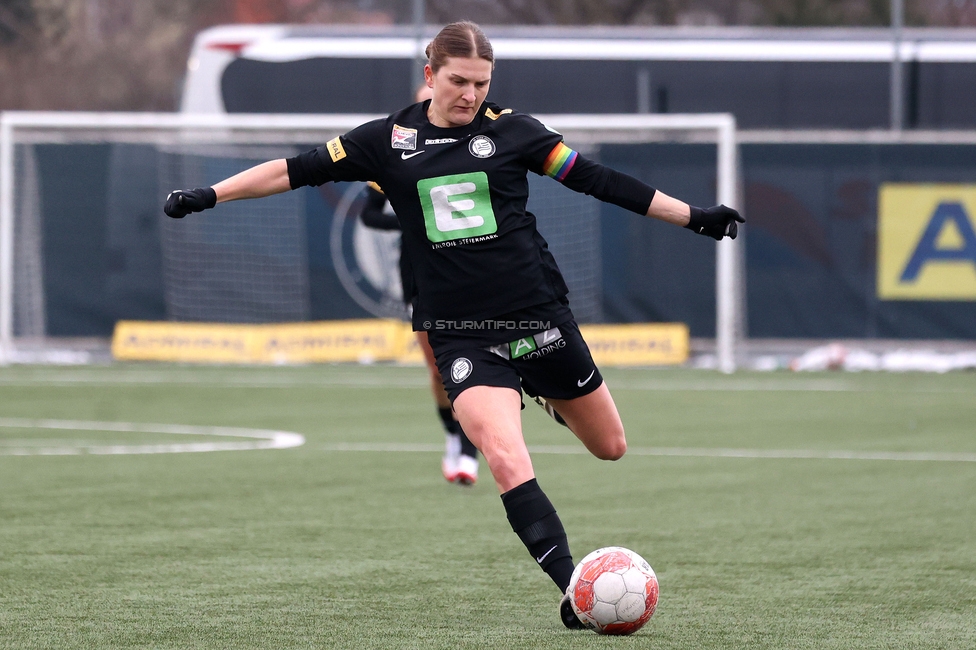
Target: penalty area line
255 438
691 452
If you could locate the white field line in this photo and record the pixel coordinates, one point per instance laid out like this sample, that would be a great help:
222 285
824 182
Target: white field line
258 379
241 380
257 438
701 452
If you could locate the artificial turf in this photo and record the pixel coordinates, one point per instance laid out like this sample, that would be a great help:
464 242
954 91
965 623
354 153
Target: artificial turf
354 540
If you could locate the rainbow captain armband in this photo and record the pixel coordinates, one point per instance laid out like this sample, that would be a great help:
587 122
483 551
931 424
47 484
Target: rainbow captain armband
559 161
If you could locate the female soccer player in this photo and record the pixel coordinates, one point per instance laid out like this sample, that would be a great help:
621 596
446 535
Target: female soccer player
490 294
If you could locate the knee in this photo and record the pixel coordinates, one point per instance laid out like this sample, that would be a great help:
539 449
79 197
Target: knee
488 441
613 450
614 446
499 455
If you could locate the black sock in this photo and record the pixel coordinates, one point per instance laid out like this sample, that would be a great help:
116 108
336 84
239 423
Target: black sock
452 426
535 521
447 418
467 447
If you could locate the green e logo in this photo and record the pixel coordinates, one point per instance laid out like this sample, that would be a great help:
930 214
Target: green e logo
456 206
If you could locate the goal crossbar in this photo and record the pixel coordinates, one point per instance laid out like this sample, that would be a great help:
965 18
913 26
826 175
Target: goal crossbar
20 127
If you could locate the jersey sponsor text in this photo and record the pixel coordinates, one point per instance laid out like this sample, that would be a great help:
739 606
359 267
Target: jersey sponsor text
336 152
457 207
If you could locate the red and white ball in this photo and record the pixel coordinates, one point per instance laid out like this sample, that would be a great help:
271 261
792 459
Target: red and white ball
614 589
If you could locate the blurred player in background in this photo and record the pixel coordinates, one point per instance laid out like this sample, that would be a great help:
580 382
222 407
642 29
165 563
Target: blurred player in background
489 293
460 462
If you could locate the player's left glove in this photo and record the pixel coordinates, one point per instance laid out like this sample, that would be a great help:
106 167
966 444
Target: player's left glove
715 222
180 203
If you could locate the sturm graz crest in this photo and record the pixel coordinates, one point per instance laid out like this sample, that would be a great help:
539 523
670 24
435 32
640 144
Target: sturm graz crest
366 260
461 369
481 146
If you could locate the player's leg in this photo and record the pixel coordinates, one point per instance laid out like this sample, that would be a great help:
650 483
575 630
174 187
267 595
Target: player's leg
486 392
595 421
460 461
492 418
557 362
564 374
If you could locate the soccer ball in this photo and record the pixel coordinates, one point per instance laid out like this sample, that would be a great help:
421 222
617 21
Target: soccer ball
614 590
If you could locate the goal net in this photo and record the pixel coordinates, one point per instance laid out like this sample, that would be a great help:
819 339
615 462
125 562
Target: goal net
84 243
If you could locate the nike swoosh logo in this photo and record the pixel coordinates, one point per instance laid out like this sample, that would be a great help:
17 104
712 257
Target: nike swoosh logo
585 381
545 555
406 155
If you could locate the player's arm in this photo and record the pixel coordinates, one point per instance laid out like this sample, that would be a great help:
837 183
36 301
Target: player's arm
589 177
716 222
259 181
327 163
669 209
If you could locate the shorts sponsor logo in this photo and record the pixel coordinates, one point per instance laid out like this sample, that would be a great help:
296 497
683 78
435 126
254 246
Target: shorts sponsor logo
457 207
927 242
531 347
522 347
547 337
481 146
403 138
540 352
461 369
336 152
439 140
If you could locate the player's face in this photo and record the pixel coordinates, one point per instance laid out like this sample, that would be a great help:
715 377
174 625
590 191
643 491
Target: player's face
458 88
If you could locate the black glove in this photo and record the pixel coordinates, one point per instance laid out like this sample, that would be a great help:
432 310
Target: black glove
180 203
715 222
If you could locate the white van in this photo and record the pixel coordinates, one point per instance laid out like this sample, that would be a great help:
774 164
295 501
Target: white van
768 77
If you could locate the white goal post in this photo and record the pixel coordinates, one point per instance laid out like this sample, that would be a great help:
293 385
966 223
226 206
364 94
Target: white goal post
174 130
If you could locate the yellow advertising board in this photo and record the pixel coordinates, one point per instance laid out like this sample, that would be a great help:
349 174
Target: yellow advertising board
410 354
927 242
189 342
639 344
331 341
360 341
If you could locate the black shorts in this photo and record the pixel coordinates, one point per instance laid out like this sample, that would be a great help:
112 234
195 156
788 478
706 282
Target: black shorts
553 364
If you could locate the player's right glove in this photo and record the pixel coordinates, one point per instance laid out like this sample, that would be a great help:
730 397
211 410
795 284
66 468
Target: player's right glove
715 222
180 203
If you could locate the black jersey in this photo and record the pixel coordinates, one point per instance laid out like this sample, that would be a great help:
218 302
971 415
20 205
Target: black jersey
460 194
